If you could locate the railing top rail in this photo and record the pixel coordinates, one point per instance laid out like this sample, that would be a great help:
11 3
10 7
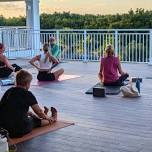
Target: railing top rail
14 27
76 30
22 27
112 30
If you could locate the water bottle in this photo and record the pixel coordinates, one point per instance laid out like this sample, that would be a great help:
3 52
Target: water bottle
138 85
3 144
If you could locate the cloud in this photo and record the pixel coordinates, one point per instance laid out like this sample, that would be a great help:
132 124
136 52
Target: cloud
61 1
99 5
10 9
76 6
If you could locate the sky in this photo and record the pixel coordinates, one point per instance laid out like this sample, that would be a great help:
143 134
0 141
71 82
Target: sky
10 9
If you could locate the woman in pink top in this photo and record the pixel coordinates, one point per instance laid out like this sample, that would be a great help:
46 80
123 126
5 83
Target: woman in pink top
110 69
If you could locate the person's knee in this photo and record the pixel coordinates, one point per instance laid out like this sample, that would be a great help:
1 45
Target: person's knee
62 70
127 75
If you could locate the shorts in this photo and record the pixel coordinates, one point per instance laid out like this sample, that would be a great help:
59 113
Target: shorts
20 130
36 122
45 76
32 122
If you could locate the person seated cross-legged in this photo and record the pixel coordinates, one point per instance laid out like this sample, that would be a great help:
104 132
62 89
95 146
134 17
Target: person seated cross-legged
45 67
6 69
14 108
54 49
110 69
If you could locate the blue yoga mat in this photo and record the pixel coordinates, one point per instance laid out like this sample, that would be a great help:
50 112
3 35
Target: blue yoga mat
6 82
110 90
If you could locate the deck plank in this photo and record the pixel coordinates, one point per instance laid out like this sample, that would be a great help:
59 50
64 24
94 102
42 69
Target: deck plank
111 124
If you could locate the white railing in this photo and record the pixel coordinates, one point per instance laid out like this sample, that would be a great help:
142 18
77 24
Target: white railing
133 45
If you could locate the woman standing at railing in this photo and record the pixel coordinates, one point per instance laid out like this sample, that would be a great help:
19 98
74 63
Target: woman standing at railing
110 69
45 67
5 67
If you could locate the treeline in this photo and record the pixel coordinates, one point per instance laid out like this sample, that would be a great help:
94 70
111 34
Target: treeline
133 19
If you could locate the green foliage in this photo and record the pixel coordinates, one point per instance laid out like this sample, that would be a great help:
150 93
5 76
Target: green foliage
133 19
14 21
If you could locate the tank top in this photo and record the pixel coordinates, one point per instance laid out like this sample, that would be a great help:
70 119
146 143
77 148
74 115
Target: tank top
44 64
110 69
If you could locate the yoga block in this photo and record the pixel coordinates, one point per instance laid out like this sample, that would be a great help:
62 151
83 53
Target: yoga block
135 79
99 92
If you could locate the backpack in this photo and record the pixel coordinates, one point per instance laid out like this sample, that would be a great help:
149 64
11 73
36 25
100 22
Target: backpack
130 91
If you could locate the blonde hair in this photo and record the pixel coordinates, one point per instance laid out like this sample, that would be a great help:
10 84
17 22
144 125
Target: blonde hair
23 78
109 50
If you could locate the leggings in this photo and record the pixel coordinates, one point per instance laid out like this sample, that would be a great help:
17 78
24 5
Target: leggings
5 72
119 82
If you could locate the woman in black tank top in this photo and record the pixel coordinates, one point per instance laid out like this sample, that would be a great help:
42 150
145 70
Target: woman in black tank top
5 67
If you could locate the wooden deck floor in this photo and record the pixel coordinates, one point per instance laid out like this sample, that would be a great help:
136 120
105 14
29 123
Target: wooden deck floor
111 124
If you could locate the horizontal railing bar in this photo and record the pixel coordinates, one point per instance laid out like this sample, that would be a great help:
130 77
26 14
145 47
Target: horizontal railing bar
131 45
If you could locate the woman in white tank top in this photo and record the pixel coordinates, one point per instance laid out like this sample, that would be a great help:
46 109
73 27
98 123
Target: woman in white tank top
45 65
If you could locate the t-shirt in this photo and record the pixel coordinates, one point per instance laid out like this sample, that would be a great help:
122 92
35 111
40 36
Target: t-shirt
55 50
110 69
14 106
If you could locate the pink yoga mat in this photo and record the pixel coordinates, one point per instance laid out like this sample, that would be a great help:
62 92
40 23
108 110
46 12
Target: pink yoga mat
63 77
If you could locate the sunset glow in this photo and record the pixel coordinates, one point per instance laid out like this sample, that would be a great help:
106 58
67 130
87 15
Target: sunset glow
10 9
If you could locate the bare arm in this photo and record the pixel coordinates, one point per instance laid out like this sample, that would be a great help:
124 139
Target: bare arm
100 72
7 63
53 59
36 108
32 61
120 69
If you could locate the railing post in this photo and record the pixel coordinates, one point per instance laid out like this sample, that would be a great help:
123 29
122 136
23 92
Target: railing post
85 46
116 43
0 35
58 41
150 47
16 39
32 42
8 43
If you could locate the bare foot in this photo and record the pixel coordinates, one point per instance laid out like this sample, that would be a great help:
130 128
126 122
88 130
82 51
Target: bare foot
46 110
54 113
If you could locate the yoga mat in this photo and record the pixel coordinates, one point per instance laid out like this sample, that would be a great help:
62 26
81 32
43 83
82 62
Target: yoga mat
61 78
6 82
110 90
40 131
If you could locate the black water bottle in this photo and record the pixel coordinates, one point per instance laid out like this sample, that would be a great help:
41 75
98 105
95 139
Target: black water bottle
138 85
